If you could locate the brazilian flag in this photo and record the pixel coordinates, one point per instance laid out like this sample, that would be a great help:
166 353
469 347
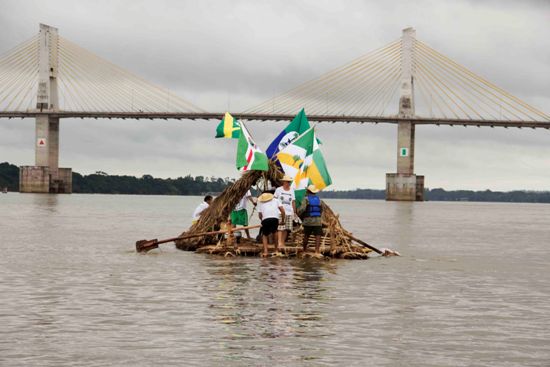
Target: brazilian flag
228 128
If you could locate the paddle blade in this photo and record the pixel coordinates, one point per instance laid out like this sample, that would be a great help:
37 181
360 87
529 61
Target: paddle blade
146 245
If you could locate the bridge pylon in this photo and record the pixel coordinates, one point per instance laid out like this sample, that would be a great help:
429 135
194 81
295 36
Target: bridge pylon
405 185
46 176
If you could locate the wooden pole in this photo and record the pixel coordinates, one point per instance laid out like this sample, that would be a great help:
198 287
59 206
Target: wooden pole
364 244
146 245
231 236
332 240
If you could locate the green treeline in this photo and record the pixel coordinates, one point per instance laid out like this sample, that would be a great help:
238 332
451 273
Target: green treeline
102 183
355 194
517 196
443 195
9 176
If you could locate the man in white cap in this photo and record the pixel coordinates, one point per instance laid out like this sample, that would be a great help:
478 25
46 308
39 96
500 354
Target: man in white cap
311 211
285 194
269 211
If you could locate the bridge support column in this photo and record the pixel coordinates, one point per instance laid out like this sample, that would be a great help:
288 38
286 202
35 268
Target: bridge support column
405 185
46 176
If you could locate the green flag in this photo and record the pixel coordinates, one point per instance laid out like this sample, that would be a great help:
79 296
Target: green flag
228 128
303 162
297 126
249 155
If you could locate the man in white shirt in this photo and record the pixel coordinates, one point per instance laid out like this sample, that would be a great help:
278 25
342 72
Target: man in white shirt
269 211
239 215
285 194
201 208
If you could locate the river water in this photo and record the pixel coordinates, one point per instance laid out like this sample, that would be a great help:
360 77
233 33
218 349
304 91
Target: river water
471 289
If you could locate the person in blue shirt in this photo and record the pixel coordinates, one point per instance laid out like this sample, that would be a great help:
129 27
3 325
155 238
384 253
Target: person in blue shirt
311 211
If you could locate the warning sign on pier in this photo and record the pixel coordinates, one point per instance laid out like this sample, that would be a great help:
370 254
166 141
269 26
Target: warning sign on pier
41 142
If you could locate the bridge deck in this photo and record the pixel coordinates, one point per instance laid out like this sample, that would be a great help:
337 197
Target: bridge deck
279 117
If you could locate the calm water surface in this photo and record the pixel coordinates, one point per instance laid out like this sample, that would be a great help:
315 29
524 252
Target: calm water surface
471 289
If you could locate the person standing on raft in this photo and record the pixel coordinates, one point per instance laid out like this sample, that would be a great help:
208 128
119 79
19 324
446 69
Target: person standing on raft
201 208
285 195
311 211
269 211
239 215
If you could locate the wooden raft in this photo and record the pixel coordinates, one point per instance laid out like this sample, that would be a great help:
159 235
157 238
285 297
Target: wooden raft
292 248
203 236
335 242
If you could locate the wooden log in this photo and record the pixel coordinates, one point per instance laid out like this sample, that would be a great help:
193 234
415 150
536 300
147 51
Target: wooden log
253 249
364 243
332 240
231 236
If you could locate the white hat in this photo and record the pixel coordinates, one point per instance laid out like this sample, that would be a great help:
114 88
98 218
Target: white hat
265 197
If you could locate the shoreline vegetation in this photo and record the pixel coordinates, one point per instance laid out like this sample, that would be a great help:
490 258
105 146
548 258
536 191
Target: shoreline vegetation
103 183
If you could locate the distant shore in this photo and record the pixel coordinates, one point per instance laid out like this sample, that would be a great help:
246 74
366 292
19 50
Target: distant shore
438 194
103 183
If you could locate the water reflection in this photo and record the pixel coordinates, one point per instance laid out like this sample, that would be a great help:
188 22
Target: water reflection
404 220
46 202
291 291
403 211
269 301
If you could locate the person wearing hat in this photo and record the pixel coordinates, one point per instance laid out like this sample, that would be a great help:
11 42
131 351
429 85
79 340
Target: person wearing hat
269 211
285 195
311 212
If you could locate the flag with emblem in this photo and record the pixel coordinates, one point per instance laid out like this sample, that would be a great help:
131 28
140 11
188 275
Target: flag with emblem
249 155
228 128
297 126
303 162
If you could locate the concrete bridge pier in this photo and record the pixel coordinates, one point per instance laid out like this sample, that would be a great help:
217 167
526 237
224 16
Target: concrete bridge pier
46 176
405 185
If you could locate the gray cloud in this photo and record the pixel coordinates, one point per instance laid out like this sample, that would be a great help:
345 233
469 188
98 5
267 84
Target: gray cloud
236 54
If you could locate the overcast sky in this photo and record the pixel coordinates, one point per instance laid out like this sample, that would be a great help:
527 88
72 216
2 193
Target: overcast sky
235 54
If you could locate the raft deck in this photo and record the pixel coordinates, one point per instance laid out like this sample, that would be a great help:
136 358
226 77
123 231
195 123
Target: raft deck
293 247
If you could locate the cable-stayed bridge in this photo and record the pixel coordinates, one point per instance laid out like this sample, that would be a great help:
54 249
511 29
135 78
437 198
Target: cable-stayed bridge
406 83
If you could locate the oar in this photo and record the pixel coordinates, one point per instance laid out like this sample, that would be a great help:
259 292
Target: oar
383 253
146 245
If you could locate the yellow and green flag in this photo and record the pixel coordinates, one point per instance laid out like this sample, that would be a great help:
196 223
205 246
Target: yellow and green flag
302 160
228 128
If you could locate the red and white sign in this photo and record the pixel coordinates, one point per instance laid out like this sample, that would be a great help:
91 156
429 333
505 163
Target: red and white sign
41 142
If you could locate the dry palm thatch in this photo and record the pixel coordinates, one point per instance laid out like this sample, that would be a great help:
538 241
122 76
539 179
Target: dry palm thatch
336 241
220 209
